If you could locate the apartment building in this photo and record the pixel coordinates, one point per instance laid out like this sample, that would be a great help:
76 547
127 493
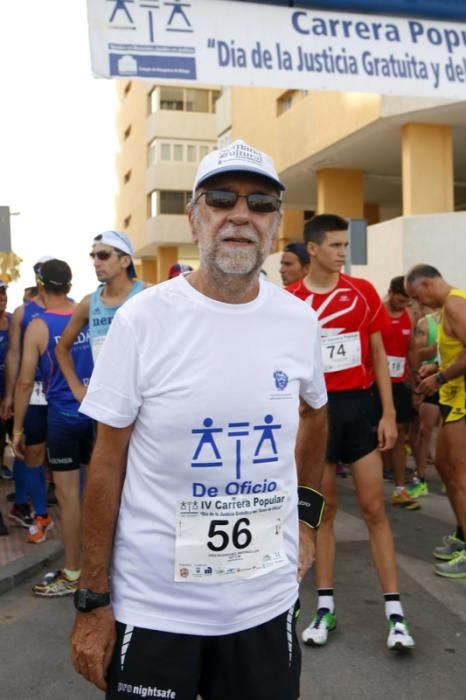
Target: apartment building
398 162
164 131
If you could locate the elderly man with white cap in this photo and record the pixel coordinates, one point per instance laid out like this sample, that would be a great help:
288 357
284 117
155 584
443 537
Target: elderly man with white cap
112 254
211 410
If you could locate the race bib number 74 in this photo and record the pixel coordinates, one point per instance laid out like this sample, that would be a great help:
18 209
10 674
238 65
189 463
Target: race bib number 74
230 537
341 351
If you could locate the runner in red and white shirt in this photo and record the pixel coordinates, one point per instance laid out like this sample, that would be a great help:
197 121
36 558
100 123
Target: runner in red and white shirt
402 355
351 317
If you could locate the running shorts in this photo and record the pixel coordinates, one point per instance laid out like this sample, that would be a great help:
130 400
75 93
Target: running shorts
433 399
452 400
70 440
35 425
352 425
402 400
260 663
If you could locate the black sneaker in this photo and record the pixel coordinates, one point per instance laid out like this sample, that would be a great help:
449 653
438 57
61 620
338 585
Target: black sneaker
3 527
21 515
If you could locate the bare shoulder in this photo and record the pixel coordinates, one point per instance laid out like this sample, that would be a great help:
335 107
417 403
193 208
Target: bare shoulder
455 306
82 308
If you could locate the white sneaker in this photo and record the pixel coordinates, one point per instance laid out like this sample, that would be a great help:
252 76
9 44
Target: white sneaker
322 623
398 634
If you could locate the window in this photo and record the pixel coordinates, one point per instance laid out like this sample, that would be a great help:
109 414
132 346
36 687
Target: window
177 152
197 100
203 151
171 98
191 153
182 99
225 139
172 202
166 151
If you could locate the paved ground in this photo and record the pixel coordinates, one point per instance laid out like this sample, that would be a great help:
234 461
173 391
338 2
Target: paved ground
354 666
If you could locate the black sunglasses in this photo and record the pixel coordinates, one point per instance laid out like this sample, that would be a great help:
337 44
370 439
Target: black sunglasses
104 254
258 202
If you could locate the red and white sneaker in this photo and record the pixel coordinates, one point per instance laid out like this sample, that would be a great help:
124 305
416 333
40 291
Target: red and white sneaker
39 528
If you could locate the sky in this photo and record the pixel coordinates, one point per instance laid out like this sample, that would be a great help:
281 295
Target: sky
58 141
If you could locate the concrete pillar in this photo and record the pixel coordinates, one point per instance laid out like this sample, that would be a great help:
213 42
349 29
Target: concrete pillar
291 227
427 169
340 192
147 270
166 257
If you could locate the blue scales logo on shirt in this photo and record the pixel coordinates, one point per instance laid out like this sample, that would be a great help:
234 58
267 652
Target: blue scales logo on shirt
281 379
207 453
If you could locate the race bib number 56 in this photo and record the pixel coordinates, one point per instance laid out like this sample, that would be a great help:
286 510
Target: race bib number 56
229 537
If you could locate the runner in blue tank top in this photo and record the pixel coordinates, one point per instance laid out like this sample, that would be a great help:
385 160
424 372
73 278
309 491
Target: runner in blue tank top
5 426
112 253
28 474
70 438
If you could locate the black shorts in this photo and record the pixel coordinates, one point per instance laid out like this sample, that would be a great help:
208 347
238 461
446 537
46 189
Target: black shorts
35 425
402 399
401 393
260 663
70 440
352 426
6 428
434 399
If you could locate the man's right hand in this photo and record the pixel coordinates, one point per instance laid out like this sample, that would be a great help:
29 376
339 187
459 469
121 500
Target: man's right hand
92 643
6 408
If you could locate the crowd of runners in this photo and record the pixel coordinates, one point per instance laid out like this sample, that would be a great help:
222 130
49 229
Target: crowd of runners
386 375
50 344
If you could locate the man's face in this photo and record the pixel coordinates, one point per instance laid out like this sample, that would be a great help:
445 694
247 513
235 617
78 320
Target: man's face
110 267
291 269
330 255
422 290
234 241
397 301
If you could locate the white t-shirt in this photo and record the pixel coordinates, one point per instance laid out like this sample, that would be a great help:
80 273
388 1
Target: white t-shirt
213 391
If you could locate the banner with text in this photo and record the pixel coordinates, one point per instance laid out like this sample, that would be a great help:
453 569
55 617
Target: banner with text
230 43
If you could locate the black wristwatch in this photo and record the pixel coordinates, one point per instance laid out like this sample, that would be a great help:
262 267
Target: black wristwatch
441 379
86 600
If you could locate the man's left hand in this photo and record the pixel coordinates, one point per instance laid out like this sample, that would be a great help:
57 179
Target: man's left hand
307 546
428 385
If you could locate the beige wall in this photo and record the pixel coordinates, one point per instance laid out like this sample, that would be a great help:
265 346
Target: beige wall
315 121
395 246
131 198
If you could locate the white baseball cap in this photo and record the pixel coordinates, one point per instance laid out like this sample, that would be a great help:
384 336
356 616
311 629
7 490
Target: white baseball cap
120 241
238 157
116 239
